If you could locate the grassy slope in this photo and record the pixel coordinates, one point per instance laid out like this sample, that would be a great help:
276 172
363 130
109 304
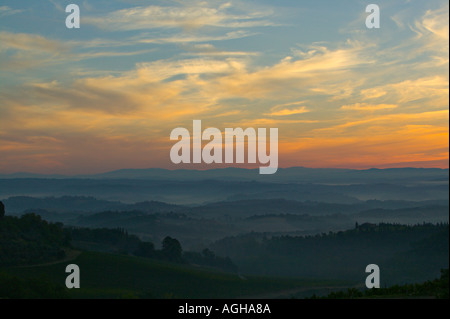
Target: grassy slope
115 276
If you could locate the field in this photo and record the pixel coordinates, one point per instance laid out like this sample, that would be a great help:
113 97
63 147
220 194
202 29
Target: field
116 276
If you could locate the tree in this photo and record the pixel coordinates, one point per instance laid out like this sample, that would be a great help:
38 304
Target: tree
2 210
171 248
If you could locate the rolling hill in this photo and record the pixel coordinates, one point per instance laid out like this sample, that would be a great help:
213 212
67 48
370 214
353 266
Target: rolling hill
115 276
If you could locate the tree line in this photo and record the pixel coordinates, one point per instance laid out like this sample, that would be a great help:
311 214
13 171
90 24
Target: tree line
29 239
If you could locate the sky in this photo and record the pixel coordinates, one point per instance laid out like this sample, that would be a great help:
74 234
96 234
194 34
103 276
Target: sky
106 96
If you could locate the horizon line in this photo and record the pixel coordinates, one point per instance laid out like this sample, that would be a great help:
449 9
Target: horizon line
222 169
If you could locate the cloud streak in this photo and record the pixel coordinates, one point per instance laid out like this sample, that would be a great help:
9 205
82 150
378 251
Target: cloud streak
192 16
7 11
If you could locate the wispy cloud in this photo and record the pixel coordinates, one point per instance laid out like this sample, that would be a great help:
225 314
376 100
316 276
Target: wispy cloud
209 50
21 51
191 16
31 42
7 11
433 33
287 109
192 38
433 89
368 107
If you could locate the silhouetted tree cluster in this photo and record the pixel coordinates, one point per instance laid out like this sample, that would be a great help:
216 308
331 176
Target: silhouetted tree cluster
171 249
120 242
403 251
31 240
2 210
438 288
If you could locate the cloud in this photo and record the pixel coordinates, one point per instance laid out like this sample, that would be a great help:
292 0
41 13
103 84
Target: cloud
373 93
375 142
31 42
164 69
21 51
288 109
426 87
368 107
7 11
426 148
193 16
385 123
209 50
433 89
434 23
287 112
190 38
433 33
291 76
58 6
165 92
162 94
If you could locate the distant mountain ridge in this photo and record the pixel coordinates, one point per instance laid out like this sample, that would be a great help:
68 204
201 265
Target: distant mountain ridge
293 174
82 204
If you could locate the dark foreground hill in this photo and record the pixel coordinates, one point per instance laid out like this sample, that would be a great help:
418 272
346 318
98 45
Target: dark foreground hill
33 261
117 276
436 289
268 266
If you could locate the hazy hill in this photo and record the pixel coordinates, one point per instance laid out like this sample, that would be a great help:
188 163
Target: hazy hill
293 174
405 254
198 226
414 212
81 204
199 192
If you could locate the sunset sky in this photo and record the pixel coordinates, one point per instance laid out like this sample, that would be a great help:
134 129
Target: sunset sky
107 96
